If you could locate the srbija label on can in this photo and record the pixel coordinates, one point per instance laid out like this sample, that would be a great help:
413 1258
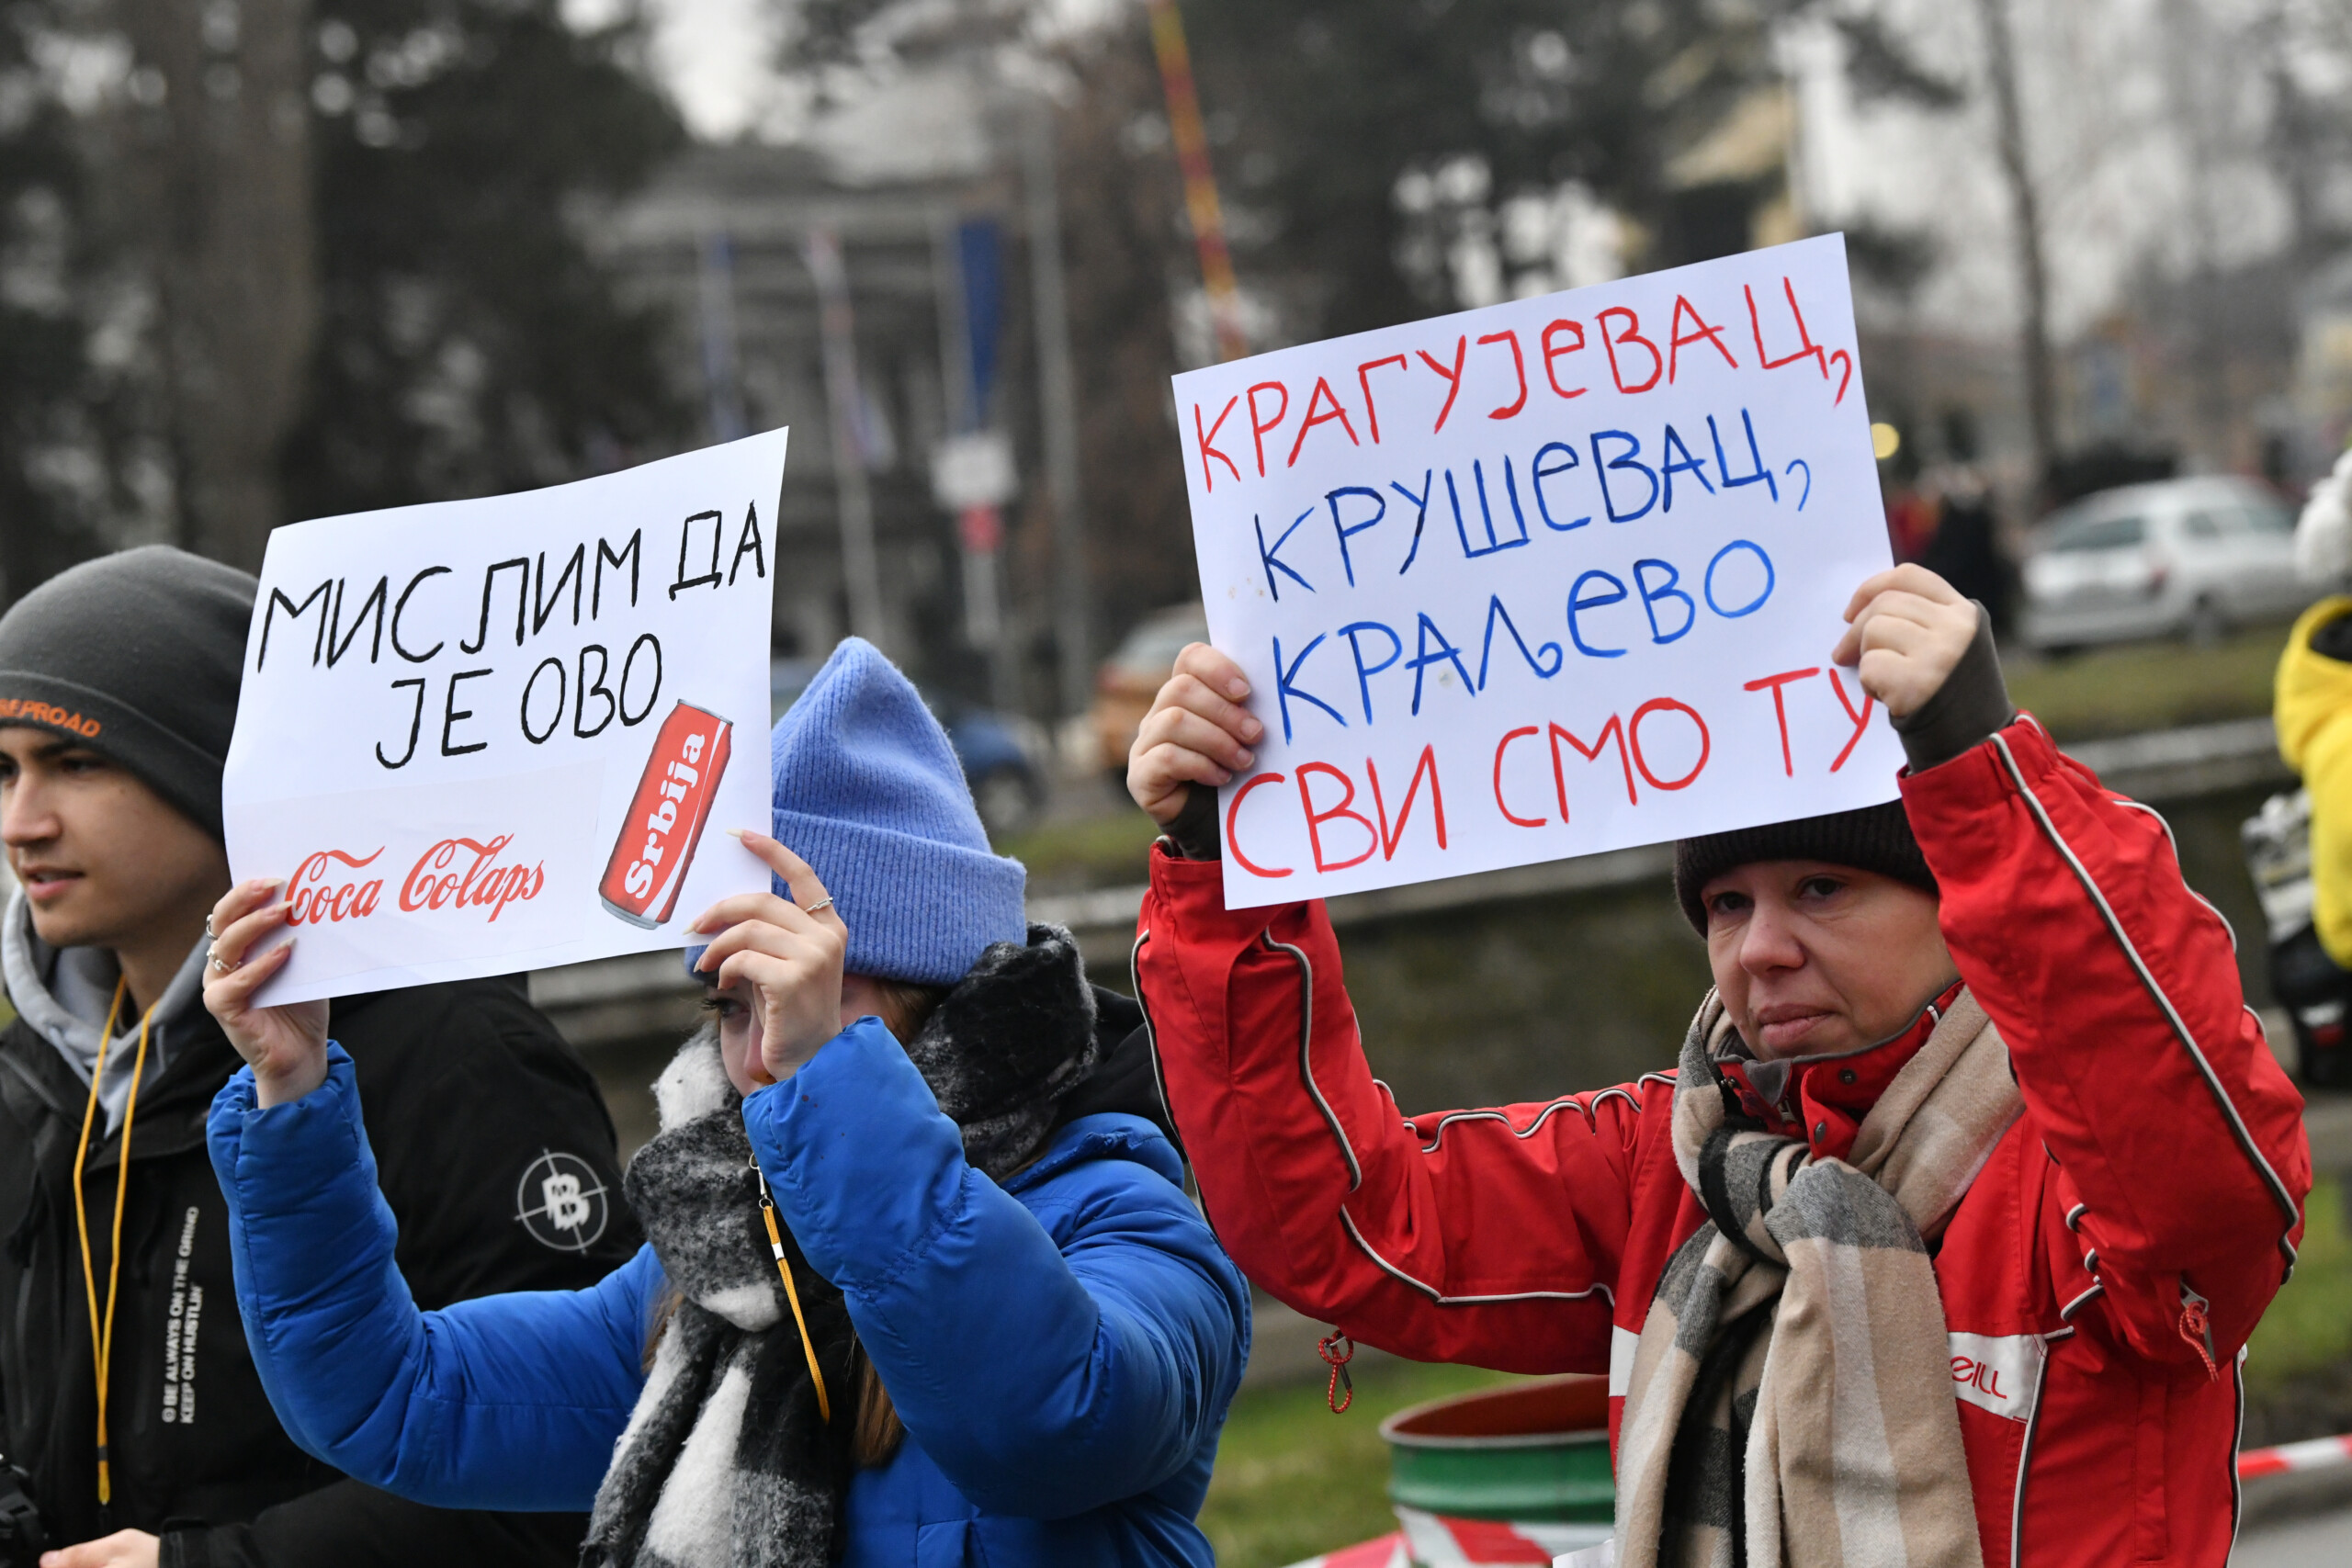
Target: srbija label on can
665 818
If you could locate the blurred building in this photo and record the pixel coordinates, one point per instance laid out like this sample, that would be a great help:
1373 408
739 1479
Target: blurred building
869 288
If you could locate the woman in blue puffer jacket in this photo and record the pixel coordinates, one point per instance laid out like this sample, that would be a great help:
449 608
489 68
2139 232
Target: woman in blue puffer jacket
990 1327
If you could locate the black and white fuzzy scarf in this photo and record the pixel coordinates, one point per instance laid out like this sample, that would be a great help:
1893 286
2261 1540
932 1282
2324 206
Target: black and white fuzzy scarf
726 1463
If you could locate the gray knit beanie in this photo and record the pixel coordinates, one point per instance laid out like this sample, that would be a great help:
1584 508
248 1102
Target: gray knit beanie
138 654
1873 837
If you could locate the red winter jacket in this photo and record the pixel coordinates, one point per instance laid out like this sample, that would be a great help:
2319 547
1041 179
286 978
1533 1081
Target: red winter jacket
2098 1280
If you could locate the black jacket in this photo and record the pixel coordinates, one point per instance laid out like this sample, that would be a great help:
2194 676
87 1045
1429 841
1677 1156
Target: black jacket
496 1155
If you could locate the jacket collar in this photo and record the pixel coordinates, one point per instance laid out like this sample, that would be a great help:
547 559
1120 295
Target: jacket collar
60 994
1823 1099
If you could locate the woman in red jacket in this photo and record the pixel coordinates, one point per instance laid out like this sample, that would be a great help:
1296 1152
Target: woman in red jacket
1942 1244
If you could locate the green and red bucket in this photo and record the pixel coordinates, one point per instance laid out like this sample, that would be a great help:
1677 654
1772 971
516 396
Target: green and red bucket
1518 1475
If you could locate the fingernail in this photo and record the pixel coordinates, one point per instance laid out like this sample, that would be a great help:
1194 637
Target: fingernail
735 833
1247 756
1238 689
1223 777
1252 730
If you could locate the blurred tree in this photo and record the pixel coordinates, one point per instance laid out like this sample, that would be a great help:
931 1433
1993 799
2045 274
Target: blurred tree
470 343
1334 119
2027 241
42 364
1321 108
1128 254
259 262
217 166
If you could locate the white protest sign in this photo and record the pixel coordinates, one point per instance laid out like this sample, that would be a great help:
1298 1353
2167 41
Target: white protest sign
1554 577
483 736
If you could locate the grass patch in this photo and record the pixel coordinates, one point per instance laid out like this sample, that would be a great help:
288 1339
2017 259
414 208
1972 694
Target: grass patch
2308 1325
2151 685
1110 850
1292 1480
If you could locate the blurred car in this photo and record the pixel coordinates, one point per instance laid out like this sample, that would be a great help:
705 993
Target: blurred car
2181 558
999 752
1127 680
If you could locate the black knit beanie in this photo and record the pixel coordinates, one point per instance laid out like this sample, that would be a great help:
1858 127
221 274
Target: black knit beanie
1875 838
138 654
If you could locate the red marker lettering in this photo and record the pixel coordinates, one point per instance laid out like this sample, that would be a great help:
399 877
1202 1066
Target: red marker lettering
1258 428
1206 439
1509 815
1519 368
1668 704
1805 346
1780 708
1679 340
1428 764
1862 719
1552 354
1363 379
1233 834
1321 394
1632 335
1612 730
1315 819
1453 377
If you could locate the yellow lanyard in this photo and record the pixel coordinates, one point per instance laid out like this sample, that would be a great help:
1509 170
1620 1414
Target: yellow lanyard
784 1268
101 1334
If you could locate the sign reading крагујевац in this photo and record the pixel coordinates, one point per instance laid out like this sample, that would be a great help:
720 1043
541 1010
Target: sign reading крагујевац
1553 577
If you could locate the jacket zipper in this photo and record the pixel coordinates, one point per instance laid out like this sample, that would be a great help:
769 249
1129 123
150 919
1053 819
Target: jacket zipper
2197 1328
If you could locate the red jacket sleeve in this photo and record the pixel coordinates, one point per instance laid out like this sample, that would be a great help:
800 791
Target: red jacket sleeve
2144 1073
1492 1238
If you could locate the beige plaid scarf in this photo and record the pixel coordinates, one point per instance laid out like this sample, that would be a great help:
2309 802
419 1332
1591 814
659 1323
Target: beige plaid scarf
1790 1400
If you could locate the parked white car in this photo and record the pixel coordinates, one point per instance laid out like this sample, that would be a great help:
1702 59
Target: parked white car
2182 558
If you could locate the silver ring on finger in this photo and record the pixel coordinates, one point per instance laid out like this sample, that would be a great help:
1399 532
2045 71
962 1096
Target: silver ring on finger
220 963
821 906
209 934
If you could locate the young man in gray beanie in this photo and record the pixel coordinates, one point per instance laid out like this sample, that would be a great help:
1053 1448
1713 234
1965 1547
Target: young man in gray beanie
1940 1244
118 686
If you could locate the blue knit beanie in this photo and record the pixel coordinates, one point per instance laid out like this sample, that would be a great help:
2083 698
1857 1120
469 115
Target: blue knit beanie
868 792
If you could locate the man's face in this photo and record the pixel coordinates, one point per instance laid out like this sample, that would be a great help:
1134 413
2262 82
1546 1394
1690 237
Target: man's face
1813 959
105 861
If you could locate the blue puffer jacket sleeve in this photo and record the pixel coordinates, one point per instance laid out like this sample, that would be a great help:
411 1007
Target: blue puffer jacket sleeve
505 1402
1045 1374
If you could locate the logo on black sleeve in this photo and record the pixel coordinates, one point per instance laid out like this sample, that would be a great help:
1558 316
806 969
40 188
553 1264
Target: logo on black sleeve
561 1203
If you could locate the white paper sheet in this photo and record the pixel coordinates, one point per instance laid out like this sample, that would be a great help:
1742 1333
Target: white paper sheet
1550 578
448 711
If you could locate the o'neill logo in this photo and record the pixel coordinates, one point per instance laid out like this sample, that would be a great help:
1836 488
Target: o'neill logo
455 873
2002 1374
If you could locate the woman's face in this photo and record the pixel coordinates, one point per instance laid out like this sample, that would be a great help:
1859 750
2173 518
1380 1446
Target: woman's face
1812 958
739 1025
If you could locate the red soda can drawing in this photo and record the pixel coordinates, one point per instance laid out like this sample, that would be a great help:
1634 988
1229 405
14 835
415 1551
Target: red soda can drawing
665 817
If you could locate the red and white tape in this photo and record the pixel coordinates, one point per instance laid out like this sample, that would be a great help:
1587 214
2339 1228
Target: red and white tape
1388 1552
1435 1541
2319 1453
